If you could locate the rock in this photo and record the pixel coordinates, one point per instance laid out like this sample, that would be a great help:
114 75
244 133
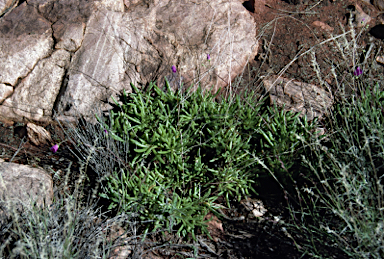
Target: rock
19 184
35 95
129 3
72 55
112 5
97 68
379 4
255 206
5 92
25 38
7 5
323 26
361 18
68 20
380 59
64 11
38 135
308 99
68 36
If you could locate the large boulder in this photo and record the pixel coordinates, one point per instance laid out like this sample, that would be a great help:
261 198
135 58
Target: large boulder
142 44
72 55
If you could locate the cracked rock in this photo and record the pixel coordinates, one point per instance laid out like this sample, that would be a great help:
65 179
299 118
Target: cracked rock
141 45
72 55
25 38
34 97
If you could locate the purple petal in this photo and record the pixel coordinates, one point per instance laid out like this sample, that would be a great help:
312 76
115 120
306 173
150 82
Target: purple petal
55 148
208 56
174 69
358 71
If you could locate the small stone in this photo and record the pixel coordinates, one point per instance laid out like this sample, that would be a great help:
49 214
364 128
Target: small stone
38 135
255 206
298 96
361 19
380 59
323 26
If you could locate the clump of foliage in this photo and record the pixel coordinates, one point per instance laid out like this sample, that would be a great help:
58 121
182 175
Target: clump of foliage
341 211
68 228
185 153
347 203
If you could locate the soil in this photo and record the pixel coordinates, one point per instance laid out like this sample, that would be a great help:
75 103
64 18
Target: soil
286 30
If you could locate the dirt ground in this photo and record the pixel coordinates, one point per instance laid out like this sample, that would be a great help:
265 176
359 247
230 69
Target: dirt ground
289 31
286 30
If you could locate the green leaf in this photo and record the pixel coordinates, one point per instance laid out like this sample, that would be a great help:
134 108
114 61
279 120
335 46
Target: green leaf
143 145
142 150
115 137
267 138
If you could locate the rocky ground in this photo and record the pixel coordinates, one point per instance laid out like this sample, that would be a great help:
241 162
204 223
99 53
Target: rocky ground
286 30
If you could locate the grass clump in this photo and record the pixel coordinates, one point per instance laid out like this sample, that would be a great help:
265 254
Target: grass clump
346 202
186 154
69 228
341 212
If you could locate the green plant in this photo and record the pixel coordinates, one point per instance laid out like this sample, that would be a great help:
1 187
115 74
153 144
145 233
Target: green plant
346 206
67 228
185 153
341 211
280 138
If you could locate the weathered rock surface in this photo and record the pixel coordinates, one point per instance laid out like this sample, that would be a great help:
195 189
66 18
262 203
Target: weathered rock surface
38 135
141 46
5 91
71 55
25 38
7 5
19 184
35 95
308 99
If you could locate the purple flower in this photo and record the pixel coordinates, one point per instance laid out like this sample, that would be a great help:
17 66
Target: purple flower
208 57
358 71
55 148
174 69
106 131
